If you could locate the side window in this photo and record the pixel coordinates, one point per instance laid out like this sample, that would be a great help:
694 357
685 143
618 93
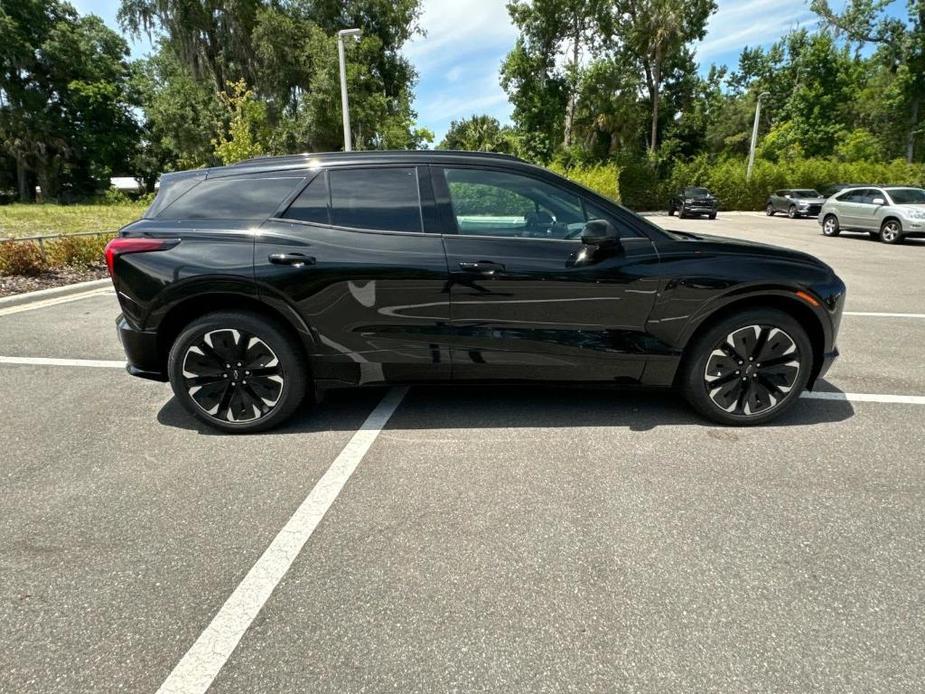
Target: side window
231 198
386 199
497 203
313 202
873 194
854 196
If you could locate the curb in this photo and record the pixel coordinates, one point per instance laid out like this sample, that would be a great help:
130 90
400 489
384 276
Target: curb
53 292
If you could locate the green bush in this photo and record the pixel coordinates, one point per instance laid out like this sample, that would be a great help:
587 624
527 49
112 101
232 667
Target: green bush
601 178
640 185
21 258
77 251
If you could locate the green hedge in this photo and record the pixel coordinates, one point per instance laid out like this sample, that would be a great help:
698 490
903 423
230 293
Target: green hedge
601 178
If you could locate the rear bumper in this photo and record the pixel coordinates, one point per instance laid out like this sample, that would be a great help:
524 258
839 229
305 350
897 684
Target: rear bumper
141 351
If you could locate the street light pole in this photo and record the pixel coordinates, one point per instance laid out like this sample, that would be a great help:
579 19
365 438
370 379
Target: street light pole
345 106
751 150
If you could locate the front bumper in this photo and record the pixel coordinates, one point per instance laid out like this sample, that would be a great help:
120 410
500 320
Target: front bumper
141 351
810 209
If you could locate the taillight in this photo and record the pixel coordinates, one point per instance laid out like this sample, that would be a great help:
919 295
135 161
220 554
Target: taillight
123 245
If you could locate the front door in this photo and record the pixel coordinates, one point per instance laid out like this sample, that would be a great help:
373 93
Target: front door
351 257
529 301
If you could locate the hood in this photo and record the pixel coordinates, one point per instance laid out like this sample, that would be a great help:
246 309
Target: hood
723 244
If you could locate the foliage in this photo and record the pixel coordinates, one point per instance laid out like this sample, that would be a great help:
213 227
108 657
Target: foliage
479 134
248 130
601 178
77 251
21 258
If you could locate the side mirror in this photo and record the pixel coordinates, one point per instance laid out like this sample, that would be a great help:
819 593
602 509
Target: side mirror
879 201
601 233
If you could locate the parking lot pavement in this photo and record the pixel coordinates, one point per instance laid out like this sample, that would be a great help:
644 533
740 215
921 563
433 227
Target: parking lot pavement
538 539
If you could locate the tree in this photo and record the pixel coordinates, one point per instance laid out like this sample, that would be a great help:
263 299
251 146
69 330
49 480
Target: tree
656 33
66 109
479 134
900 47
247 133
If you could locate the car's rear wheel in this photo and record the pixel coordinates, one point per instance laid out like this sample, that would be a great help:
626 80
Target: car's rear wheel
237 371
830 225
792 212
769 210
891 232
747 368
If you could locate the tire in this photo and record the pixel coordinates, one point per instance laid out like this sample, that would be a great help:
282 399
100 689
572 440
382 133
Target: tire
769 210
712 215
730 384
830 226
671 212
682 213
891 232
792 212
267 401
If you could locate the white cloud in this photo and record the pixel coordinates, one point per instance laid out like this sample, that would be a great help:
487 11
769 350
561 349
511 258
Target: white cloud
751 23
458 27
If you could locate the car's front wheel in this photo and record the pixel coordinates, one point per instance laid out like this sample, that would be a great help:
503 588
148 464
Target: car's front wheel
671 210
830 225
769 210
747 368
891 232
237 371
792 212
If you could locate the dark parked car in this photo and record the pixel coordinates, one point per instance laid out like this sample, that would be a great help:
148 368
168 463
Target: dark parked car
693 201
795 202
249 285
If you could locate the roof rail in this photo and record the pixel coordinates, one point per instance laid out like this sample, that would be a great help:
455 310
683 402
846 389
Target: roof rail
286 158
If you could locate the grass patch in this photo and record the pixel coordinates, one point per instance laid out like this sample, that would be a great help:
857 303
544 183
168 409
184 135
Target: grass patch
19 220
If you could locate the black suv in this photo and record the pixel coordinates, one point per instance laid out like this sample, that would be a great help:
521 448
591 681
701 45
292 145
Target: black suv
248 285
693 201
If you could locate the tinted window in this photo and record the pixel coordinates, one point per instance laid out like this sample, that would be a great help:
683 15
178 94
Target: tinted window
386 199
312 203
496 203
696 191
908 196
806 194
853 196
231 198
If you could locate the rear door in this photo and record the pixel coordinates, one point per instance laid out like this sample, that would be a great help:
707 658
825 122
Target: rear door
350 255
529 300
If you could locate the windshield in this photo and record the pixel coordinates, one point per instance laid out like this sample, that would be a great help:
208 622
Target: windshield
696 191
806 193
907 196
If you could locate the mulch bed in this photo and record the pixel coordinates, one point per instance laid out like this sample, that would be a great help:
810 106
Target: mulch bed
16 284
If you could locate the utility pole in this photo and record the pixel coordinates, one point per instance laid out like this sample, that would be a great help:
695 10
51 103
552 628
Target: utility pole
751 151
345 105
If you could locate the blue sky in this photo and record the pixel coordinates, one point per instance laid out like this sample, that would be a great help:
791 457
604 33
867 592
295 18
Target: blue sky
466 40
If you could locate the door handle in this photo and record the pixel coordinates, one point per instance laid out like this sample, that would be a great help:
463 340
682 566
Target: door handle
294 259
482 267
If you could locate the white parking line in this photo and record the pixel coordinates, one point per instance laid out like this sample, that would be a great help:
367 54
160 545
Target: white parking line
33 305
865 397
46 361
875 314
202 662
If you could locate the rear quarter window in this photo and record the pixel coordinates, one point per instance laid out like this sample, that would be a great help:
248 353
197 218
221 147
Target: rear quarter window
231 198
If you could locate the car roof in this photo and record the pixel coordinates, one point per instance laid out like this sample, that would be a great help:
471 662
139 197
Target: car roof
325 159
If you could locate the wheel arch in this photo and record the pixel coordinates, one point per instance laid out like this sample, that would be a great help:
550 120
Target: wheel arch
792 306
184 312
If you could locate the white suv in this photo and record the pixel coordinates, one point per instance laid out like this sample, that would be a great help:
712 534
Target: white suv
890 213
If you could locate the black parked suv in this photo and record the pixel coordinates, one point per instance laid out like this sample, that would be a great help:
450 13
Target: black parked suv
249 285
693 201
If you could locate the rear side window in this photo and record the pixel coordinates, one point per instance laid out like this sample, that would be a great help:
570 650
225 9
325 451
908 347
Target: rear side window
385 199
231 198
312 204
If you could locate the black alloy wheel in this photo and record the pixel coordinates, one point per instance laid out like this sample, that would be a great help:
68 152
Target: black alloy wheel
237 372
749 368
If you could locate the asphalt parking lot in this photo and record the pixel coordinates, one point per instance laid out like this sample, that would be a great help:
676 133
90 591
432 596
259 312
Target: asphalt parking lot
535 540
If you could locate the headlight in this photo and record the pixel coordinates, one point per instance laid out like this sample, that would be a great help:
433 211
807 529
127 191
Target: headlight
688 200
916 214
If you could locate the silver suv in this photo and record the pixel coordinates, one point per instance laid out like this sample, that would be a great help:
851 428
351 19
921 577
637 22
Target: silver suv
890 213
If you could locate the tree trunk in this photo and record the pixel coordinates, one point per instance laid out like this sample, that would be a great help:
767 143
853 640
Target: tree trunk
573 95
910 133
26 192
655 94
